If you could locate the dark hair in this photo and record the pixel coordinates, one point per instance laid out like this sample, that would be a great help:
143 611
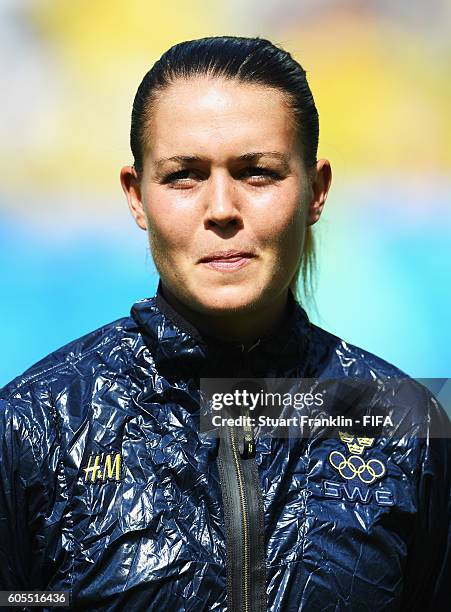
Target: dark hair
248 60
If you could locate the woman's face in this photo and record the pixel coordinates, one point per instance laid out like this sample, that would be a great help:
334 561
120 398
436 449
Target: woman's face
224 194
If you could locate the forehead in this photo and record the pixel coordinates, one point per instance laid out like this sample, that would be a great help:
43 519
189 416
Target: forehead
217 116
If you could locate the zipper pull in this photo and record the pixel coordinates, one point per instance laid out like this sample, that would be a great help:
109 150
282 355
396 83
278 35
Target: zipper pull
248 443
248 451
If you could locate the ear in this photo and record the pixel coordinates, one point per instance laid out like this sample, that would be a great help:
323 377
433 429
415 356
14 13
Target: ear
132 188
321 178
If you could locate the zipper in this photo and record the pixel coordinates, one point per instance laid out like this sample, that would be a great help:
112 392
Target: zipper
244 524
243 516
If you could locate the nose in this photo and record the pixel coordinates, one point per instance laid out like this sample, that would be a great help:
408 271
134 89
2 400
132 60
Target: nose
221 202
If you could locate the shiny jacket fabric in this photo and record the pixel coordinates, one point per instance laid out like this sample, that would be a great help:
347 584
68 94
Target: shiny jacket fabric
107 489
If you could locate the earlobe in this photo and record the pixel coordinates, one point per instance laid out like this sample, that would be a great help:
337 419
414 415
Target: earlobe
131 186
314 213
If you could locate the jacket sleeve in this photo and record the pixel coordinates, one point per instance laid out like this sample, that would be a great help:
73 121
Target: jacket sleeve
428 572
16 467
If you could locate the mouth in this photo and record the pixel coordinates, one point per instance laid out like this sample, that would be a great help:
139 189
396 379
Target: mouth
227 260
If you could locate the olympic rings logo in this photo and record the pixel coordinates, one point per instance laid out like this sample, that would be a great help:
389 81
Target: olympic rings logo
354 466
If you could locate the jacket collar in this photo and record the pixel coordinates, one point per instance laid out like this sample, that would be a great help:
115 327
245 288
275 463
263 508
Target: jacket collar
180 349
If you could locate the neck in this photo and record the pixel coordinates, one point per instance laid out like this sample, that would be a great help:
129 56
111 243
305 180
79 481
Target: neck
244 327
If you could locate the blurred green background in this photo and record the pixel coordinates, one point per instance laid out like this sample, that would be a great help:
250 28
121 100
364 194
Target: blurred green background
71 256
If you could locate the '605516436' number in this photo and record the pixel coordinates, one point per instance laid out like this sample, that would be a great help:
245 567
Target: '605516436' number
34 598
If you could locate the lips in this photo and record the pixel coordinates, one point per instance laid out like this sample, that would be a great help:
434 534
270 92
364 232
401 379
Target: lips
226 256
226 261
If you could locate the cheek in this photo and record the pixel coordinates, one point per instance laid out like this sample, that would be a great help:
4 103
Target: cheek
284 225
170 225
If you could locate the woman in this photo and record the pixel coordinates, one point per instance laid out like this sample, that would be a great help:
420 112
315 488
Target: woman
108 489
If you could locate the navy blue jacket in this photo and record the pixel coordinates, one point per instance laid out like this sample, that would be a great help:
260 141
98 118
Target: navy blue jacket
108 491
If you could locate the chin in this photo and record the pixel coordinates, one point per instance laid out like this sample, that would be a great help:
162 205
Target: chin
225 299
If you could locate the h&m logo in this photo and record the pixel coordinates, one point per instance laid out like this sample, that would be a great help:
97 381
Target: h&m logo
104 467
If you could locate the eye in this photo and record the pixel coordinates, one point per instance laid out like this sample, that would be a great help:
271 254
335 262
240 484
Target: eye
181 178
258 174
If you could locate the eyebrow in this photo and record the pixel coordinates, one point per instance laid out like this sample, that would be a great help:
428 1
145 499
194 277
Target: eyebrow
253 156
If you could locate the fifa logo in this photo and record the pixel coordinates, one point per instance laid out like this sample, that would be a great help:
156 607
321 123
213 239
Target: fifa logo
103 467
355 466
